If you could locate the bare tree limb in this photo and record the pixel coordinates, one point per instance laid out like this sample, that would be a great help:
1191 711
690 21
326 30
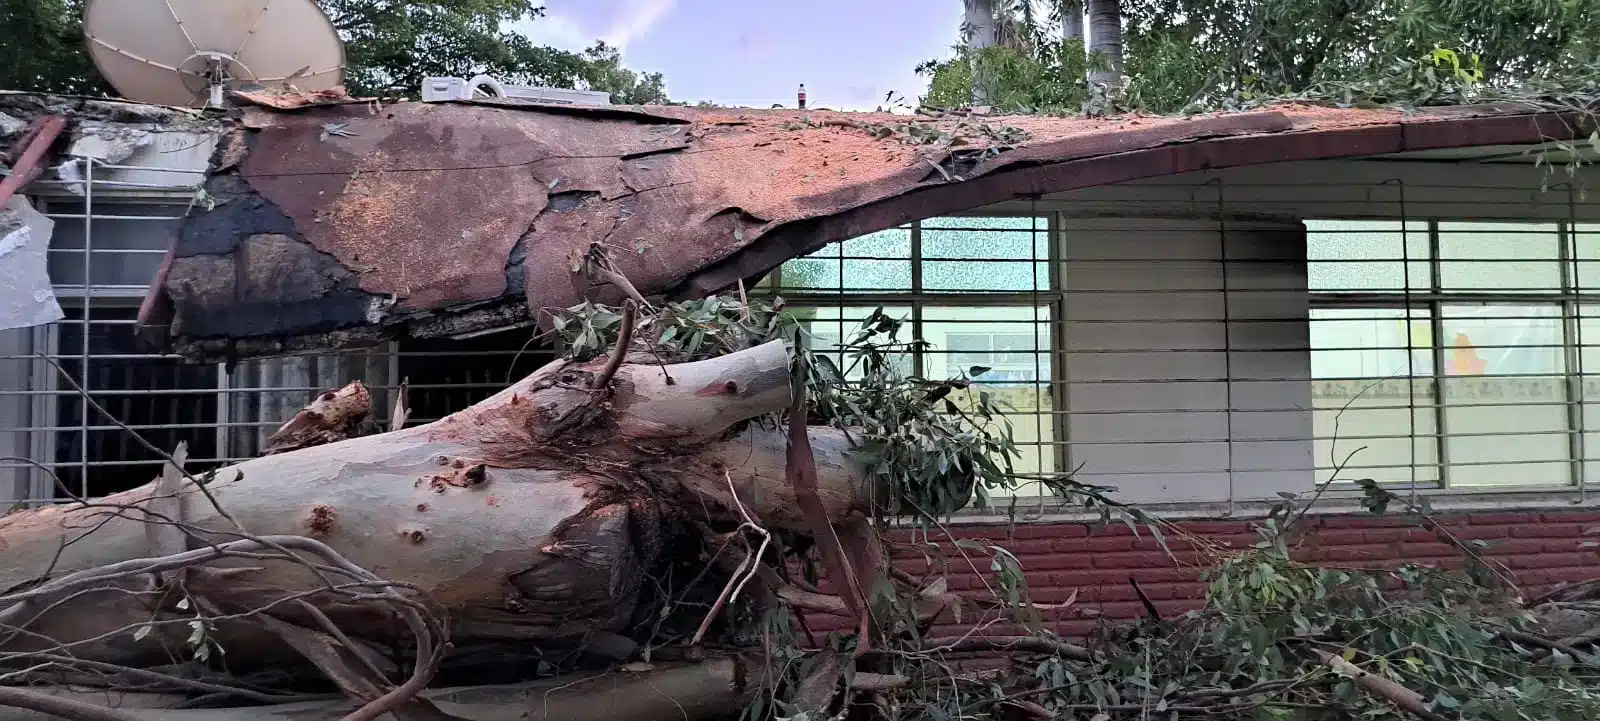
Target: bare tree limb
63 707
1402 697
624 339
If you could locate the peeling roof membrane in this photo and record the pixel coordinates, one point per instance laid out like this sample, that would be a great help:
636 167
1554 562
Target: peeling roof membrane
337 223
26 296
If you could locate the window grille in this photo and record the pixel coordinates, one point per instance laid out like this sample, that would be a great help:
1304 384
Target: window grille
977 288
1454 354
1174 355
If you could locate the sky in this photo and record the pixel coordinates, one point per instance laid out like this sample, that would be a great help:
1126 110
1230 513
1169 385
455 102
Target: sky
849 53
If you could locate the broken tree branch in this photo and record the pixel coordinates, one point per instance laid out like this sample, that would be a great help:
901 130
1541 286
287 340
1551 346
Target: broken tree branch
331 417
624 339
1402 697
748 568
64 707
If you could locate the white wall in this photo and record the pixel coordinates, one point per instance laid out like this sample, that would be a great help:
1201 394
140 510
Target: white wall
1352 189
1186 363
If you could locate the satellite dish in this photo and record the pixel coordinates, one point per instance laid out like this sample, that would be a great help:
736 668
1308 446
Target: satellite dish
188 52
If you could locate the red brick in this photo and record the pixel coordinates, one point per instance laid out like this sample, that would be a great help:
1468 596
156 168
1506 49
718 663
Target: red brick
1169 591
1392 535
1069 530
1235 541
1550 560
1567 575
1043 531
1109 544
1483 532
1348 555
1341 538
1547 530
1536 579
1502 519
1517 547
1365 522
1132 559
1036 546
1059 560
1169 574
1570 517
1215 528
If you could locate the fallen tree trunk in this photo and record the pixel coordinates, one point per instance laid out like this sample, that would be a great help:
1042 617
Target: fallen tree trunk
534 515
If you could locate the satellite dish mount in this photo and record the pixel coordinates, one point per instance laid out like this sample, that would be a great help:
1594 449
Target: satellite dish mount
211 73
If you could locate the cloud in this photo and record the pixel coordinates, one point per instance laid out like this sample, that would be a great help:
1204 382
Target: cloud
635 19
753 43
618 26
557 31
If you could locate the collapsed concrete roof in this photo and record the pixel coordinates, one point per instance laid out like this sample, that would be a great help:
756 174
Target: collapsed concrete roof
335 223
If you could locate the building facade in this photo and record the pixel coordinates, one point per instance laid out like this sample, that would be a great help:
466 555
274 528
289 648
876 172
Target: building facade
1204 342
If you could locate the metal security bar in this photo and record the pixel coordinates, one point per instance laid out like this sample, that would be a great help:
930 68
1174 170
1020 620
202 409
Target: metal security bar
104 250
1183 341
1230 357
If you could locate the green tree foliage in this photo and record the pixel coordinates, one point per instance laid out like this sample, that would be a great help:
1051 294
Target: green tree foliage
602 70
1037 63
388 44
1251 48
1194 54
41 48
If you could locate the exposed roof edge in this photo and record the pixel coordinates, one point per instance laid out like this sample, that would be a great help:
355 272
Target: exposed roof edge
1469 126
343 225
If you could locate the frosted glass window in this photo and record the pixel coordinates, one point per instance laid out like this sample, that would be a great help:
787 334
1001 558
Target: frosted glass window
874 263
1353 255
1500 257
986 254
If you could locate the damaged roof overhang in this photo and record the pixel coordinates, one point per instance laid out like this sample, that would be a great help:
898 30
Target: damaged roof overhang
349 224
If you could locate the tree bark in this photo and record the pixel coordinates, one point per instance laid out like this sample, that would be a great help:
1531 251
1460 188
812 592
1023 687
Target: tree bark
1105 39
530 516
1072 20
979 26
333 416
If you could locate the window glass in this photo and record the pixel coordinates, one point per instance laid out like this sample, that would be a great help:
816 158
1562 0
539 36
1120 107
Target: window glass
1500 257
827 328
1505 395
875 263
1588 343
1373 397
1009 347
986 254
1366 256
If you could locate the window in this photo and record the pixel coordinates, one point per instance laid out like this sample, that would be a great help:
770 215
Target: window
223 414
977 289
1451 353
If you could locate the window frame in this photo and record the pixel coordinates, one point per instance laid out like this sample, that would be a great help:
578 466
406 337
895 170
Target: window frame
1048 295
1431 303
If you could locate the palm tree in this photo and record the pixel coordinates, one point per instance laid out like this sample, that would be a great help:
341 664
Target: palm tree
1071 12
1105 38
978 29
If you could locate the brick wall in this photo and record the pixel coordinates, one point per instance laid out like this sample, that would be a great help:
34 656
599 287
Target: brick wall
1063 559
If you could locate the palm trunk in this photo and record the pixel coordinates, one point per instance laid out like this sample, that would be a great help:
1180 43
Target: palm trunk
1105 41
1072 20
980 29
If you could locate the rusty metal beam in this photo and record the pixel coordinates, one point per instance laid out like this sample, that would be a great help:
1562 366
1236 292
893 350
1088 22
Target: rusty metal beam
34 144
